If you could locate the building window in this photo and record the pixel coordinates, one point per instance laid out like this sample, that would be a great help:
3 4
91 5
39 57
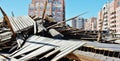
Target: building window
50 1
36 1
48 12
31 13
54 8
41 12
48 7
58 9
53 13
118 3
31 7
57 2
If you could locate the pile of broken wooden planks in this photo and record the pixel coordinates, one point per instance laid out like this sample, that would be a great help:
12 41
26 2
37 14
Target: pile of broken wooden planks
31 44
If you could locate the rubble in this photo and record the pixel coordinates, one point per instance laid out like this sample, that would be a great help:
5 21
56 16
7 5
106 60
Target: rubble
34 40
27 38
41 46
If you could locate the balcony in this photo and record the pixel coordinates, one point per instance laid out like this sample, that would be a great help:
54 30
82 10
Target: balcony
113 25
113 16
105 20
100 22
105 24
112 30
105 16
105 28
113 21
113 13
105 12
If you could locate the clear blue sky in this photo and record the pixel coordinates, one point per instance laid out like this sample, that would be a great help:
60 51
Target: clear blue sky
73 7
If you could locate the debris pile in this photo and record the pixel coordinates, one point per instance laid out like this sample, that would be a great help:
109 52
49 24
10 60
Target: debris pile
30 38
41 48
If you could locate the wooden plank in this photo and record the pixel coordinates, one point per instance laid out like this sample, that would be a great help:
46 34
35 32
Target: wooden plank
15 28
31 21
31 47
17 23
27 21
25 45
67 51
34 44
37 52
22 23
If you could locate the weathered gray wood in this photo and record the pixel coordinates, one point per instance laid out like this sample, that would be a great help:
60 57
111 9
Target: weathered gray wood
67 51
22 23
39 45
25 45
55 33
37 52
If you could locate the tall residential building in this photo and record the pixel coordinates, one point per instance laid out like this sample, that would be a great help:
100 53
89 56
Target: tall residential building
74 21
87 25
103 18
110 17
94 23
113 18
118 22
91 24
99 20
78 23
56 8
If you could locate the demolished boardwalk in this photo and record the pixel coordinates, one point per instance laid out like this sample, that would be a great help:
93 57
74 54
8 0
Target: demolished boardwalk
26 38
27 41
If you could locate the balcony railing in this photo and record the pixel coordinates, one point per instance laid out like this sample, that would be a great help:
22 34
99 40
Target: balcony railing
113 21
113 13
113 17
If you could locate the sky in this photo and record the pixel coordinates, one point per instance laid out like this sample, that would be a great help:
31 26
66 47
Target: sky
73 7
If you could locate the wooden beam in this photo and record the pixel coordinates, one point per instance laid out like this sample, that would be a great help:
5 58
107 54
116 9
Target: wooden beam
6 19
44 11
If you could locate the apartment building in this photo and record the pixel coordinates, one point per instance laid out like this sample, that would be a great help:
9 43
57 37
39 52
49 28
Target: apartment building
74 21
56 8
91 24
78 23
87 25
99 20
109 17
118 22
